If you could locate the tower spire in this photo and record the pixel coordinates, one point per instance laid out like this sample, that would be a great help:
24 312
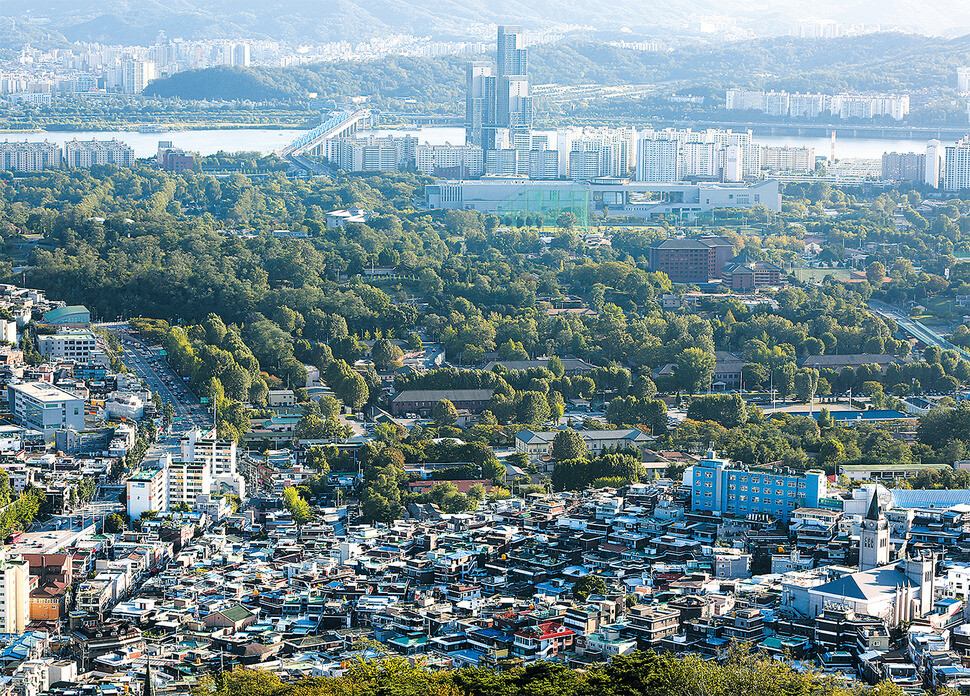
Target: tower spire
874 511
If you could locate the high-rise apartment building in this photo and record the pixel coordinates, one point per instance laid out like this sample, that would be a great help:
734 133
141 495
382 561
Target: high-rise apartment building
219 456
956 167
240 55
963 79
455 161
788 159
87 153
371 154
479 101
807 105
904 166
543 164
499 98
658 161
845 105
30 157
14 593
934 163
135 75
506 162
698 160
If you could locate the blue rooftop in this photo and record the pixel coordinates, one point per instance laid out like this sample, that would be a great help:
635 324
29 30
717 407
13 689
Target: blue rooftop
888 414
903 498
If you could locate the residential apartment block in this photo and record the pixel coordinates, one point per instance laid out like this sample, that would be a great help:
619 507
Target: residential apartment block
538 444
719 487
87 153
30 156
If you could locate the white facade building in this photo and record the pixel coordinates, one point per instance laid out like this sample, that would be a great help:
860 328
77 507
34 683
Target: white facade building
15 598
87 153
79 346
963 79
788 159
135 75
934 163
463 160
218 456
956 167
44 407
30 157
147 490
658 161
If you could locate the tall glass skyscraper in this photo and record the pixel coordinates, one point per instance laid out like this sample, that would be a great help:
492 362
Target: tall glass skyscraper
499 97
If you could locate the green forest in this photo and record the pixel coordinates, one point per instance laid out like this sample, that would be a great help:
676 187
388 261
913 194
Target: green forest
884 62
637 674
194 260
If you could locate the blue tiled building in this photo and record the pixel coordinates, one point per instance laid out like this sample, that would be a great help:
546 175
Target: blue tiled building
716 486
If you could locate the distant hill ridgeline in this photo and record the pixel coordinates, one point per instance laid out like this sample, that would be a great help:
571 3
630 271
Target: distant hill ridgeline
885 62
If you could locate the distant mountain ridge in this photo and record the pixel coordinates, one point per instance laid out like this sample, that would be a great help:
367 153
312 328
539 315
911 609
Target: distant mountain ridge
884 62
121 21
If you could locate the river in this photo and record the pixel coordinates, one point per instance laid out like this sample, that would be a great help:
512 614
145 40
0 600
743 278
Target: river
208 142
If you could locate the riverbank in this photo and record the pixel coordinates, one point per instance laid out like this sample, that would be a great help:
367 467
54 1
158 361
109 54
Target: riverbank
208 139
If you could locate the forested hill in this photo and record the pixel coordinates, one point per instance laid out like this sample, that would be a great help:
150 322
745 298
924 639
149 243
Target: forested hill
876 61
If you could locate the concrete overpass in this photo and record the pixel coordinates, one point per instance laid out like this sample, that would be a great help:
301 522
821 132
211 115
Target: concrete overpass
339 124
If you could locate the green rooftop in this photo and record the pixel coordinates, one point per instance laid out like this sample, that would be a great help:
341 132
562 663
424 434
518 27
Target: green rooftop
892 467
80 312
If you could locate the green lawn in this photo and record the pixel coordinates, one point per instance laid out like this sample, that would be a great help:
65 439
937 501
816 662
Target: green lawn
941 308
817 275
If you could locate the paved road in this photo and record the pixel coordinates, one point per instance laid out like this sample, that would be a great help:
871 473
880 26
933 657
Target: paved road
148 363
92 512
914 328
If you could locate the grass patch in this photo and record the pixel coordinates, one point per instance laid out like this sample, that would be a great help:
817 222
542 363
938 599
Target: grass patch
817 275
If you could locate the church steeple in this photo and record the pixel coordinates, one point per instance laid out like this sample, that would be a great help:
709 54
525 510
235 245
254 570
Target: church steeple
874 537
874 512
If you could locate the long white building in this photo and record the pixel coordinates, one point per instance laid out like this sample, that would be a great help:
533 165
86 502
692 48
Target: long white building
461 161
846 105
30 157
613 196
87 153
79 346
788 159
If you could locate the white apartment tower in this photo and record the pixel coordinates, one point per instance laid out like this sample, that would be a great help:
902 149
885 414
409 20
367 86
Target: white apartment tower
15 600
963 79
241 55
136 74
479 101
658 161
218 457
934 163
956 168
29 156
